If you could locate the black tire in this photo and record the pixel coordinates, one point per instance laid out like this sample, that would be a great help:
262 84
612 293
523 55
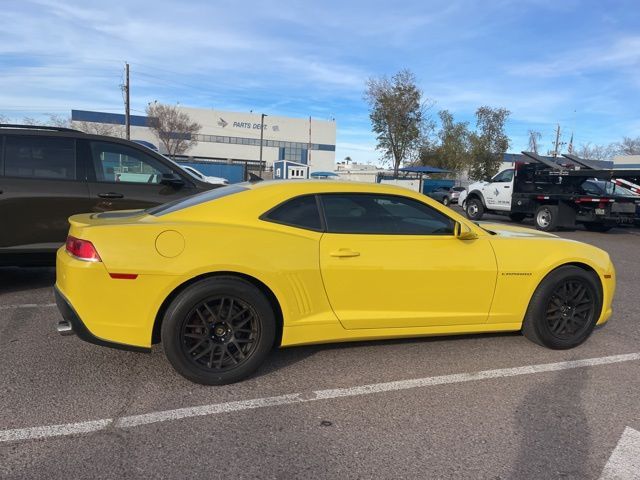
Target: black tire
228 319
517 217
446 201
546 218
474 209
557 324
597 227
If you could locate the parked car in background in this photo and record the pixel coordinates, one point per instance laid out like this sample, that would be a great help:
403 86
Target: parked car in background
48 174
205 178
462 198
446 195
441 194
454 194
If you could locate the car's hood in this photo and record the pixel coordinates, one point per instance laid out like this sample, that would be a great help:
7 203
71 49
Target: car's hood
513 231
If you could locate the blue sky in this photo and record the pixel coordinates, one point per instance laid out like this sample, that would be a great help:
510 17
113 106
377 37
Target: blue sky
571 62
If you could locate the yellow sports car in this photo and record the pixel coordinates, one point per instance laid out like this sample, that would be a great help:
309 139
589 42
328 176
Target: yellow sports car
222 277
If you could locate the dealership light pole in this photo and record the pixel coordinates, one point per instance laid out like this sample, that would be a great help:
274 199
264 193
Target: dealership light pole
261 139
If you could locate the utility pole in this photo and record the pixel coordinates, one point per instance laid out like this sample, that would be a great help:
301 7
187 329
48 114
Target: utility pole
557 142
261 139
127 105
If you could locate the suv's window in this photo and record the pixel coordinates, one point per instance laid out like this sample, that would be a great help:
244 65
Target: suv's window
40 157
383 214
299 212
119 163
505 176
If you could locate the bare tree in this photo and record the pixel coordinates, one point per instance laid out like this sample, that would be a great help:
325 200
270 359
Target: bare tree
597 152
174 129
398 116
629 146
93 128
534 140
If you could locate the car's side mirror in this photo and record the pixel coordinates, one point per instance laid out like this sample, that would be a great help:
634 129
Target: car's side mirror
172 179
463 232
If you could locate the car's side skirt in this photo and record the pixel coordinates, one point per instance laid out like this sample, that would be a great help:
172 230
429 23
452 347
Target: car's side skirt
305 335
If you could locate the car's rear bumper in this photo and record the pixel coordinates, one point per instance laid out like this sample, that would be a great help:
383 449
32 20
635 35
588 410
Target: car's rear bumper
116 312
71 323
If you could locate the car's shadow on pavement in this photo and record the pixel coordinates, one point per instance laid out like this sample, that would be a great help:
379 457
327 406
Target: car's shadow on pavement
281 358
555 439
15 279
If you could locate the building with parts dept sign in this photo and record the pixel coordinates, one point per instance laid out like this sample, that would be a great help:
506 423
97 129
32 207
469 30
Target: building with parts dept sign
235 136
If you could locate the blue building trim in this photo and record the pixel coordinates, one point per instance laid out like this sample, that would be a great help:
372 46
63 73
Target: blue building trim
104 117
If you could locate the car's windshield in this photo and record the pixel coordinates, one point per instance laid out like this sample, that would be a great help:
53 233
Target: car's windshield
602 187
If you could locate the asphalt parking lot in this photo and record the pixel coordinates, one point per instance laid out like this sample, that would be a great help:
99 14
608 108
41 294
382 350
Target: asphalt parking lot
302 415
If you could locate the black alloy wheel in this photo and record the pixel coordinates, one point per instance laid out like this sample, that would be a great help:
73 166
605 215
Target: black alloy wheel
564 309
218 330
220 333
570 309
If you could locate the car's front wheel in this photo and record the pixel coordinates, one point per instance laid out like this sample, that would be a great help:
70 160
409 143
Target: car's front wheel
564 308
218 331
446 201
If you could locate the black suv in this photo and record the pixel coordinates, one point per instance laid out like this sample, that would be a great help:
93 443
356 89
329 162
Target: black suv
48 174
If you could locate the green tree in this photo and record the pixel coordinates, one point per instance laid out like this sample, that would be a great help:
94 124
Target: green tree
489 143
397 113
451 151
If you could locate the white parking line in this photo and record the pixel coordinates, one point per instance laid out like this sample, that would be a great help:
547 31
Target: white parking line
27 305
219 408
624 463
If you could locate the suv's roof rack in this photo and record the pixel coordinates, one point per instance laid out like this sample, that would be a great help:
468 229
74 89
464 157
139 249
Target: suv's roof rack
39 127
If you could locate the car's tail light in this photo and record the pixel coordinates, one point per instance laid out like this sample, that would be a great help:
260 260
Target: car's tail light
82 249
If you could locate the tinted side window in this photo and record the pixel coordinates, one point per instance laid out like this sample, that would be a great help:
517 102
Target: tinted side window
299 212
118 163
40 157
383 214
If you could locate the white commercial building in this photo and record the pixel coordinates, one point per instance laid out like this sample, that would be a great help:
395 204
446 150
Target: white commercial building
235 136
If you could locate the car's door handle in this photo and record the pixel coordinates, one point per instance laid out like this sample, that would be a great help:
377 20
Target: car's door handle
344 252
110 195
507 186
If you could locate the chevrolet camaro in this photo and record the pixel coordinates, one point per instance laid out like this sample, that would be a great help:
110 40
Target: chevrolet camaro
222 277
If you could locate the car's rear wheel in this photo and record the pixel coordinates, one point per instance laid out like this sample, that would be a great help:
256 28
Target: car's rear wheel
218 331
564 309
446 201
474 209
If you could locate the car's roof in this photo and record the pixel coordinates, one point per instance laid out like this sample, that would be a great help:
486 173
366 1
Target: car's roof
328 186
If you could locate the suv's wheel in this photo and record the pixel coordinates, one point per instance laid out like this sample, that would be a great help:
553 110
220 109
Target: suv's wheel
597 227
446 201
218 331
564 309
546 218
474 209
517 217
